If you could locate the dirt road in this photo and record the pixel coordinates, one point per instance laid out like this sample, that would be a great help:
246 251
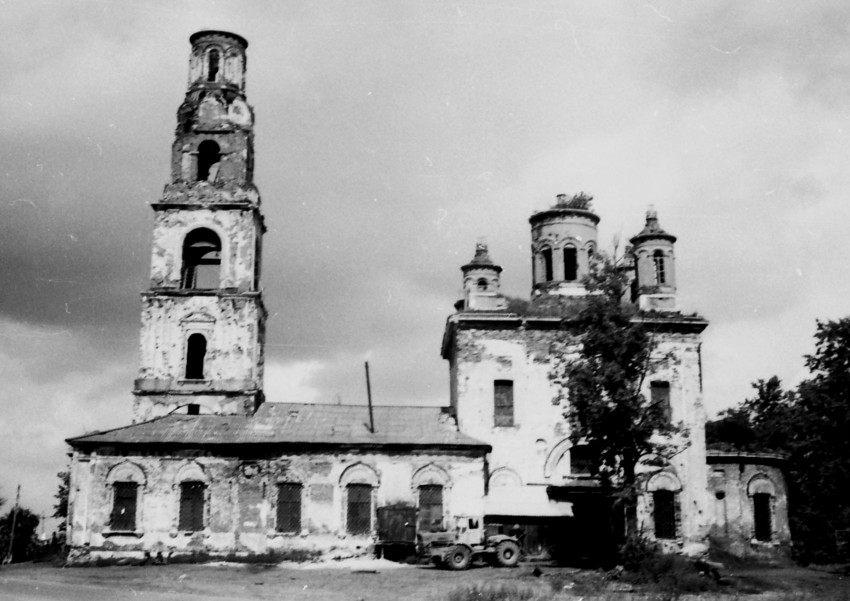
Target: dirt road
370 581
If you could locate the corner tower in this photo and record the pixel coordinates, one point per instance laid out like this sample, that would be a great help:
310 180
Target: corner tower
203 319
654 285
481 283
563 238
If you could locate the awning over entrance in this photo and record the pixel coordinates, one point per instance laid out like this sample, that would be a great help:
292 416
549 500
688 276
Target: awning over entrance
531 501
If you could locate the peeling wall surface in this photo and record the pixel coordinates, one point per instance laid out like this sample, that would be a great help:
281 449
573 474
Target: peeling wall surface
241 496
734 480
535 449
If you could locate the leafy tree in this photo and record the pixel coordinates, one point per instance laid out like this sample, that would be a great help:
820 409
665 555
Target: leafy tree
60 508
606 408
23 544
809 424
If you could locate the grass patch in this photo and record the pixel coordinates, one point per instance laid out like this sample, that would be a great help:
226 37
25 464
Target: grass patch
497 592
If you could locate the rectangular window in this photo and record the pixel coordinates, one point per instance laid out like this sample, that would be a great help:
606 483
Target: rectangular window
659 394
503 402
124 506
570 264
761 516
581 461
289 507
359 509
547 265
430 508
664 513
191 506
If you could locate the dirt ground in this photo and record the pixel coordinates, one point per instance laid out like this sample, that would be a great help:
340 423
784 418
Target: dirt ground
369 580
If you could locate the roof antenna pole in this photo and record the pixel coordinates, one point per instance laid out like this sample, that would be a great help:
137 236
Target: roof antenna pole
369 397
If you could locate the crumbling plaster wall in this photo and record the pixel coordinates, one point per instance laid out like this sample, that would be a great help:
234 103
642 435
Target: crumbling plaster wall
731 485
530 358
237 231
230 325
242 494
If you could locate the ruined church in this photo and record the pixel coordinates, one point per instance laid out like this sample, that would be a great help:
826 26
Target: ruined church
209 465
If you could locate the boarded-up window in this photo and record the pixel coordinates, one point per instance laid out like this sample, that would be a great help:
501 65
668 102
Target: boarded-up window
659 393
124 506
191 506
761 516
570 264
430 508
288 507
503 402
664 513
359 509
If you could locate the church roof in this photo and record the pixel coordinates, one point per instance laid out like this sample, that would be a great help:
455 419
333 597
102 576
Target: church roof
295 424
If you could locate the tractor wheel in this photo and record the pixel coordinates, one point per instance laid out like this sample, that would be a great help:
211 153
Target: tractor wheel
459 558
507 553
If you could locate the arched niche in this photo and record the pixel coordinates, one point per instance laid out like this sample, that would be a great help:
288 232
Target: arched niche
761 484
360 473
430 474
504 477
191 471
664 481
126 471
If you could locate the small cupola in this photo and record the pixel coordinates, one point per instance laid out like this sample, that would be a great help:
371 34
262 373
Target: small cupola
654 283
481 283
563 239
217 60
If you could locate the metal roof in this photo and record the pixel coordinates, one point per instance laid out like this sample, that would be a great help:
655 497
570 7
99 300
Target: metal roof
296 424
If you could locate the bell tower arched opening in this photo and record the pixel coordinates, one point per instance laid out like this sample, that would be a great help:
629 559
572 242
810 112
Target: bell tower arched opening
201 260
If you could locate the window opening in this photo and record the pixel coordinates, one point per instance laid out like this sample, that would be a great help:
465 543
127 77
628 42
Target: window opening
430 508
659 394
209 154
547 264
124 506
570 264
660 275
201 260
664 513
288 507
503 402
359 509
191 506
196 350
482 284
193 409
761 516
214 60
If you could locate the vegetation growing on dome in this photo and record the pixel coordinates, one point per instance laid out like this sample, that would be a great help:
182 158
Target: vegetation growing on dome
582 201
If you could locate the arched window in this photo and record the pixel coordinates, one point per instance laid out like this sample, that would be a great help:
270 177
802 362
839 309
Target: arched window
209 154
214 60
570 264
196 350
201 260
482 284
658 260
547 264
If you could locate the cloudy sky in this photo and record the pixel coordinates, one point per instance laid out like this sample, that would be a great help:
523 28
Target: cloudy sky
391 135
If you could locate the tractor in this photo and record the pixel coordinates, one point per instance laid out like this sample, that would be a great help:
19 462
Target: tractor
458 548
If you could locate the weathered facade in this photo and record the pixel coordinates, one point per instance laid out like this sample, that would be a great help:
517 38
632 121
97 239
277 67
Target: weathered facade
506 388
207 466
750 498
